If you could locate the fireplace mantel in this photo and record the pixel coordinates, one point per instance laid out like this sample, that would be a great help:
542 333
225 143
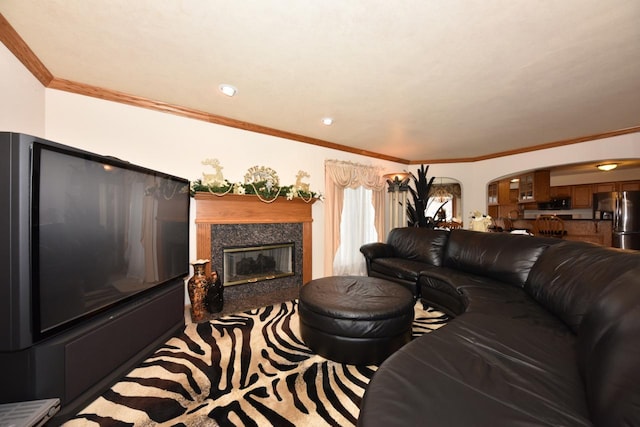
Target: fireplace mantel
248 209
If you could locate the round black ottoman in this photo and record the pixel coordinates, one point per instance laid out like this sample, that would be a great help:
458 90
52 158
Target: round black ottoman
354 319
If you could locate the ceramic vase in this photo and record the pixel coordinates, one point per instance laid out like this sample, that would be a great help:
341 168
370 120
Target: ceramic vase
215 298
197 288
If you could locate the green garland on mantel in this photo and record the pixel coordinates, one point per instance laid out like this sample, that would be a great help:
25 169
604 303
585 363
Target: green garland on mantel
259 189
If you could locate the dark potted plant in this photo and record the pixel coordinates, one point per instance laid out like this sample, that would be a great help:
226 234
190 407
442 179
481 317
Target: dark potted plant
416 213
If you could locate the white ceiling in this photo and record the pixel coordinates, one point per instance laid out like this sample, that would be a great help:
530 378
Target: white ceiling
417 80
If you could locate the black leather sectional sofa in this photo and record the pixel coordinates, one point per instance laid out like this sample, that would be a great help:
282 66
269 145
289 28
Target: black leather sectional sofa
546 333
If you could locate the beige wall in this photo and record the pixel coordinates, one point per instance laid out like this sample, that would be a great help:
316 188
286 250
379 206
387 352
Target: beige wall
21 97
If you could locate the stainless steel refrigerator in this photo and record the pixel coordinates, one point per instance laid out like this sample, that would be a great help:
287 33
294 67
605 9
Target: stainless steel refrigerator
624 210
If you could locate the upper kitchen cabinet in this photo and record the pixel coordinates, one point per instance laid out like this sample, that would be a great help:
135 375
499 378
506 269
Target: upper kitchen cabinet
581 196
630 186
560 191
534 187
498 192
492 193
604 187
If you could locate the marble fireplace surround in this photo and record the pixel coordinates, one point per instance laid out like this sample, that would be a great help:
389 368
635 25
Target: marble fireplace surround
239 235
238 220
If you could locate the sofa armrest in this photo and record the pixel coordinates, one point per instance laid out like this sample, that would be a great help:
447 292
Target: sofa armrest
377 250
442 279
438 288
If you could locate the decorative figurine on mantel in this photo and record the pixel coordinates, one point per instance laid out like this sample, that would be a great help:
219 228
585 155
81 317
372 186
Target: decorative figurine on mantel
302 186
260 181
216 178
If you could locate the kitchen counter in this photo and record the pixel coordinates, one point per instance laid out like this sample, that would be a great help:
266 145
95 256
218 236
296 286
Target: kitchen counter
587 230
562 213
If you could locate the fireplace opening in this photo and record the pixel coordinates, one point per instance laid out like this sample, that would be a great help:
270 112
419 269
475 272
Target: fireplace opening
249 264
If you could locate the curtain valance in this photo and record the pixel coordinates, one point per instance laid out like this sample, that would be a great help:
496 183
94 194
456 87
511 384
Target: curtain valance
353 175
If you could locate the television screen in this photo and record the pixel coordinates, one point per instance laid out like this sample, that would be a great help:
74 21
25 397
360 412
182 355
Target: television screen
103 232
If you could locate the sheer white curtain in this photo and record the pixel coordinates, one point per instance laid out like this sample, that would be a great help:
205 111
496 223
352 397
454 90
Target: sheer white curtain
339 176
356 228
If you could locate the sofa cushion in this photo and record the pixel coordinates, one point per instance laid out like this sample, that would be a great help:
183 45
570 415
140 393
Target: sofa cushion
568 277
482 369
399 268
441 287
512 304
418 244
501 256
609 350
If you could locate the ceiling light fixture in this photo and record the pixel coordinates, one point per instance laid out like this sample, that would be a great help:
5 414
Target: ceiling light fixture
327 121
607 166
440 193
228 89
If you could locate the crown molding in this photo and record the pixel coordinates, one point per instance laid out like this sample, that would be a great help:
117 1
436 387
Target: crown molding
12 40
538 147
138 101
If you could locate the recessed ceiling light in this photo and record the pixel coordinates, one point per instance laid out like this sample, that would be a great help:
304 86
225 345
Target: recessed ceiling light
327 121
228 89
607 166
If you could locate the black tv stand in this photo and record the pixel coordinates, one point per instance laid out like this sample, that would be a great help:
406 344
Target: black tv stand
78 365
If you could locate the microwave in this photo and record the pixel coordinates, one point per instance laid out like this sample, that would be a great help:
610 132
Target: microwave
557 203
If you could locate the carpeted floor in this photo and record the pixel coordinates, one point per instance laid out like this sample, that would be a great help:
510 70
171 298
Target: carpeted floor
246 369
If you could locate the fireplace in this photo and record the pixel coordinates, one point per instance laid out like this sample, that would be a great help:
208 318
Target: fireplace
233 221
250 264
240 220
235 238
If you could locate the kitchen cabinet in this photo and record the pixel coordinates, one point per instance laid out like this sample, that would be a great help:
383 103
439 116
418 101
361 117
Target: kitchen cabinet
581 196
498 192
560 191
534 187
604 187
492 194
629 186
503 191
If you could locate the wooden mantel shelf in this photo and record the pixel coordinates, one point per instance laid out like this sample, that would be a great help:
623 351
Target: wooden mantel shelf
249 209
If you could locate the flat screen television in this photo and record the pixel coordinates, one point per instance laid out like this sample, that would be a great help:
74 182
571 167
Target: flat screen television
81 234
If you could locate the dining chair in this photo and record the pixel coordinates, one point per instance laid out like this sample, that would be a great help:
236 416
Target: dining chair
449 225
550 226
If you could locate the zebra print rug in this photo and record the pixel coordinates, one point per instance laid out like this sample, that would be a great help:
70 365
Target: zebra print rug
248 369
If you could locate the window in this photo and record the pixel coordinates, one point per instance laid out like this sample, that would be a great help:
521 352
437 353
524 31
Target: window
356 229
339 177
433 205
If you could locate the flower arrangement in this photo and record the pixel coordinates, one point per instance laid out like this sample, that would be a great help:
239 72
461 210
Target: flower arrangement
260 181
480 221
